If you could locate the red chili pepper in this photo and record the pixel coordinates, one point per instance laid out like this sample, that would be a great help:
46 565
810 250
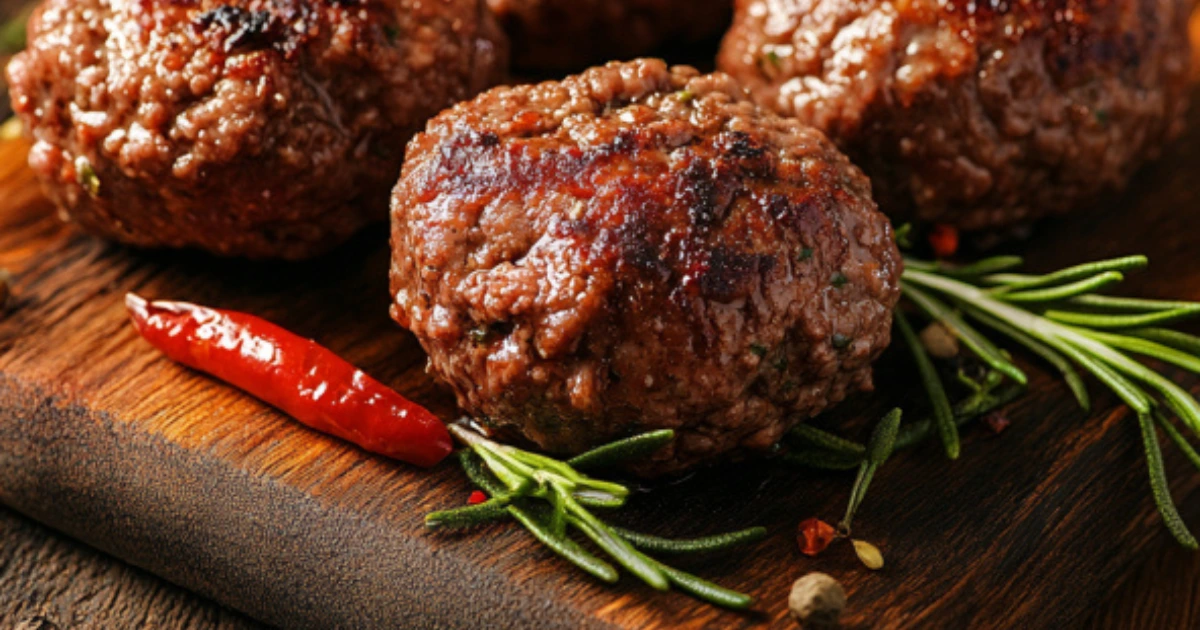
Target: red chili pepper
294 374
476 497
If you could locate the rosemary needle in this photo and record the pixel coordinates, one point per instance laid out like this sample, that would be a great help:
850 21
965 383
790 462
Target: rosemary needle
1148 348
1107 302
704 589
468 516
1016 282
565 547
720 542
1173 338
1188 451
828 441
1160 488
995 264
633 448
1066 291
943 414
1139 320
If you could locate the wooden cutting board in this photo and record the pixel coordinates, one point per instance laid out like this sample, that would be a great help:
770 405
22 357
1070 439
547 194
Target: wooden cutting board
104 439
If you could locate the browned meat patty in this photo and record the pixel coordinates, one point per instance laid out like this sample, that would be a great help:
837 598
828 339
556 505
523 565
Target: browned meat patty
262 128
976 114
569 34
639 247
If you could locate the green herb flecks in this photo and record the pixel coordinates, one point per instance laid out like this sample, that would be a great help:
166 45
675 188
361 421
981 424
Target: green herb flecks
86 176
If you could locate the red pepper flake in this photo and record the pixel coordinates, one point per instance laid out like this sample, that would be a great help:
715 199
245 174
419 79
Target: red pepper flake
476 498
944 240
997 422
814 535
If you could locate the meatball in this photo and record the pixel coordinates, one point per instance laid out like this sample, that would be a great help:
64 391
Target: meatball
568 34
244 127
634 248
974 114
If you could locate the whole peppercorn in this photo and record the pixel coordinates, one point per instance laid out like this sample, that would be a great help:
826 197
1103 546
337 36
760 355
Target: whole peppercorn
816 601
939 341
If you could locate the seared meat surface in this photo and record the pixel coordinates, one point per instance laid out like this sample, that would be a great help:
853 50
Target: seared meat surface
244 127
976 114
569 34
639 247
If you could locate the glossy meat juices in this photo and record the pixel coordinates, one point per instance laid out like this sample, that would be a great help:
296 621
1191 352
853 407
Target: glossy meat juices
639 247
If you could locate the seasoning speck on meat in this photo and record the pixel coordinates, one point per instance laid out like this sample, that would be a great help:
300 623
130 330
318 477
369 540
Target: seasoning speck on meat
595 257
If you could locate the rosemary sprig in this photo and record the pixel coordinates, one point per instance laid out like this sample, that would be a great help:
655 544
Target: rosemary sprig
1060 318
550 497
879 449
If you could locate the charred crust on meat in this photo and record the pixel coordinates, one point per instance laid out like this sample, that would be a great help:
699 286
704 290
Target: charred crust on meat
728 275
241 29
639 247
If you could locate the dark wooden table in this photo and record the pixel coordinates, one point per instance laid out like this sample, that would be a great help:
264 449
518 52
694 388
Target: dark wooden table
49 581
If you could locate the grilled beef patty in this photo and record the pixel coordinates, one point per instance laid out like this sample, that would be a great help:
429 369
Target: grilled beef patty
262 128
639 247
975 114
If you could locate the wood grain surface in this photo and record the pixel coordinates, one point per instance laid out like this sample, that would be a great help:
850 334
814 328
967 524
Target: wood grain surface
49 582
102 438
